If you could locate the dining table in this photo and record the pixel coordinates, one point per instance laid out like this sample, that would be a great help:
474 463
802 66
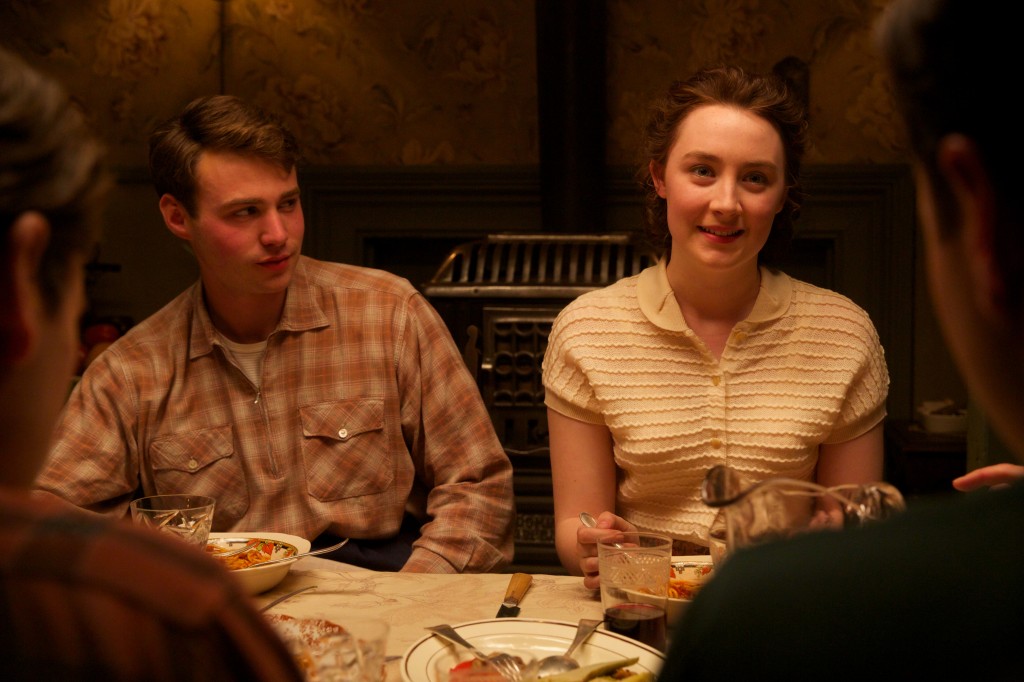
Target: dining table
411 602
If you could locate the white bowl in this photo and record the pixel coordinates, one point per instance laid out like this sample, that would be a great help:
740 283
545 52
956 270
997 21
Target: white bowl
258 578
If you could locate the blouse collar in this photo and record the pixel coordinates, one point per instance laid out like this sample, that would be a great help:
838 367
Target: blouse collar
658 302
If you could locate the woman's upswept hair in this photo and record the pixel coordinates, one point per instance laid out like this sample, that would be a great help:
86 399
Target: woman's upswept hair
765 95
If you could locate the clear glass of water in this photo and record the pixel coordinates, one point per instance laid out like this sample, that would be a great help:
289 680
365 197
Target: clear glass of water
187 517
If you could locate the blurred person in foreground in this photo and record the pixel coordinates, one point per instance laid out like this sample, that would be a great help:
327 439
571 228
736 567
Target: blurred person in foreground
318 399
935 593
713 355
81 597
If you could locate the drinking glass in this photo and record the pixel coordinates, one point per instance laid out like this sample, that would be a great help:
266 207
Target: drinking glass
635 569
186 517
340 650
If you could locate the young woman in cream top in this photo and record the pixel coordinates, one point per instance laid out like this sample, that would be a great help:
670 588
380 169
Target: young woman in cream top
710 357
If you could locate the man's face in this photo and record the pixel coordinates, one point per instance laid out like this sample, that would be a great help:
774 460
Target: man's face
248 228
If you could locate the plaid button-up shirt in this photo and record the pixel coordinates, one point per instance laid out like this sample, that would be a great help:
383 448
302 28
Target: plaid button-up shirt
83 598
365 412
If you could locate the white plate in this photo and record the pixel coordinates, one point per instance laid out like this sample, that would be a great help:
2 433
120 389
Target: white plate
262 578
430 658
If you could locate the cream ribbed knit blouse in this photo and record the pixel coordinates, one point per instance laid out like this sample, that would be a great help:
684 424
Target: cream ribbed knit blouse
805 368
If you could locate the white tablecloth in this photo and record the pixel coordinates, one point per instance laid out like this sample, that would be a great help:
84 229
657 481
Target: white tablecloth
409 602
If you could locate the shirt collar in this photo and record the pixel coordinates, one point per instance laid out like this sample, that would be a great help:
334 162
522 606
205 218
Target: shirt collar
302 311
658 302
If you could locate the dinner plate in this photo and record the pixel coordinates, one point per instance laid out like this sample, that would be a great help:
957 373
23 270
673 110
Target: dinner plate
257 579
430 658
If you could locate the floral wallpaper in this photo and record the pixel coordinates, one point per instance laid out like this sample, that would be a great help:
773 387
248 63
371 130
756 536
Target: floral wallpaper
651 43
426 83
408 82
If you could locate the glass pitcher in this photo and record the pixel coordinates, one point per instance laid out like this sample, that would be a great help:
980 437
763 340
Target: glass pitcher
777 508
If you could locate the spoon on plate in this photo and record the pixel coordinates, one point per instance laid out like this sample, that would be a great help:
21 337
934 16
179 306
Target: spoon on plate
563 663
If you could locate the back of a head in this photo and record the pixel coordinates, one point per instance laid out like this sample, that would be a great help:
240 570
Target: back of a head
221 123
942 57
50 163
938 53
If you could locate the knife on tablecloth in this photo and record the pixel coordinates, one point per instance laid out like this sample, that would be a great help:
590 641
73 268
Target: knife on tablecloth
517 587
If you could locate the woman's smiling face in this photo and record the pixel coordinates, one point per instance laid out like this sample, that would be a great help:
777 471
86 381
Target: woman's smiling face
724 182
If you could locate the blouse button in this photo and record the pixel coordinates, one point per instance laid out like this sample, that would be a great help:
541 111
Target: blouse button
739 336
716 443
343 433
193 464
715 380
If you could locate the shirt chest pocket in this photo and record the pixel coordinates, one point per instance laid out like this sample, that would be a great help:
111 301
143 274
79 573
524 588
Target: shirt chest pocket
202 463
345 449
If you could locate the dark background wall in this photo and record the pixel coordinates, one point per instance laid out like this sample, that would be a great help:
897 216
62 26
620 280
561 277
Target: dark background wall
429 123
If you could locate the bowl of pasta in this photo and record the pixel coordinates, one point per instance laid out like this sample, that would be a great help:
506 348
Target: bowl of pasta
243 554
689 574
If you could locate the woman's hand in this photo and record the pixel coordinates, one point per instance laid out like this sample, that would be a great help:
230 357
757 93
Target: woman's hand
992 476
586 544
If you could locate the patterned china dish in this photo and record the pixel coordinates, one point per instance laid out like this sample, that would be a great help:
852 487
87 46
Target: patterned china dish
689 573
259 547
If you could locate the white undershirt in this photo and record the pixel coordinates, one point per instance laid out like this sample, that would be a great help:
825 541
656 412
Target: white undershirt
249 356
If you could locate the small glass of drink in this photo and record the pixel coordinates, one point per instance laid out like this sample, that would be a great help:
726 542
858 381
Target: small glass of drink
635 569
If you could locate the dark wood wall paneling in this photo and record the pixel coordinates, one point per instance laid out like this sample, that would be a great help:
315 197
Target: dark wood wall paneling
855 234
571 113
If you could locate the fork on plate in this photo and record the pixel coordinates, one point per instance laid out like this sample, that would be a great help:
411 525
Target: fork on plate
508 666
